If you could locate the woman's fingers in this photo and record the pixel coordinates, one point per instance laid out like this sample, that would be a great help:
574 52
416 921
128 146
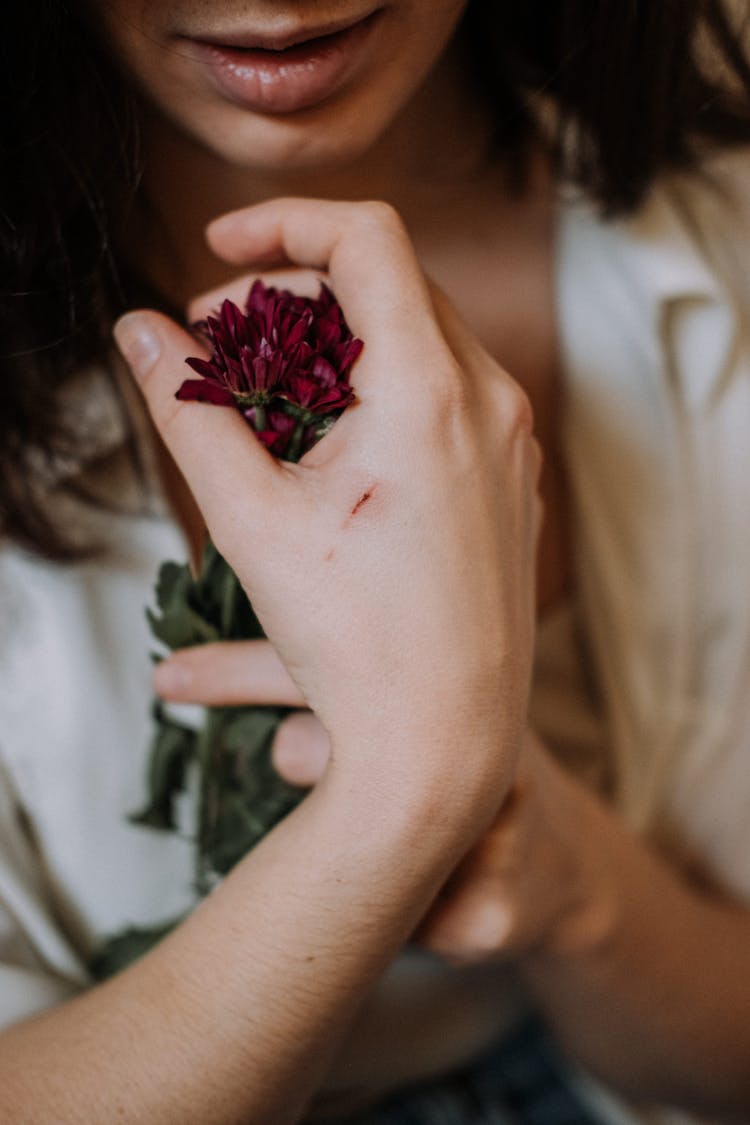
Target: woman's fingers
475 926
429 467
477 914
534 881
243 673
363 247
301 749
234 480
306 283
227 674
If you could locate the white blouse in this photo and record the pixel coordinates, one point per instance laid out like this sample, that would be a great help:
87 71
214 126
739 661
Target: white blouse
653 314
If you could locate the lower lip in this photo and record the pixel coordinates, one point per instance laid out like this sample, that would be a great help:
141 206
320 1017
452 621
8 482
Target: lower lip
300 77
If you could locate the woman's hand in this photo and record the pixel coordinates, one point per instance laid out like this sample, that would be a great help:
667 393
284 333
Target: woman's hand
243 673
409 530
532 883
393 571
535 883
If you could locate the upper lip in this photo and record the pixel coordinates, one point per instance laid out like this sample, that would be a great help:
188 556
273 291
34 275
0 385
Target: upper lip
278 40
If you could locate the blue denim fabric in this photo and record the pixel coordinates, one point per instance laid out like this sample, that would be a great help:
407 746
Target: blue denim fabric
523 1081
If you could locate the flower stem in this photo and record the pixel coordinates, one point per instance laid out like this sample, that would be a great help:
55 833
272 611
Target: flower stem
208 756
294 449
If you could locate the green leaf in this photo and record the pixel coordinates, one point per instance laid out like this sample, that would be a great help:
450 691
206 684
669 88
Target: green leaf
172 749
239 826
180 626
251 727
181 620
241 796
170 583
230 592
122 949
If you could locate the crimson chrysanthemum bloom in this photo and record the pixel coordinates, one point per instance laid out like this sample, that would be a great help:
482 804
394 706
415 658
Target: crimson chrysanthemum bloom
284 363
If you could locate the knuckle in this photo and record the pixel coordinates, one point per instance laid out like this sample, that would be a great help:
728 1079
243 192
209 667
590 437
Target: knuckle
521 412
515 408
381 219
379 213
450 398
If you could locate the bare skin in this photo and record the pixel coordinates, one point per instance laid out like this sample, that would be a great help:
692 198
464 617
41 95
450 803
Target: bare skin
496 266
582 949
604 944
250 1040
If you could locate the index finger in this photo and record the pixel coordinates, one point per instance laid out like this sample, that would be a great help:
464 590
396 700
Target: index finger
227 674
305 283
363 247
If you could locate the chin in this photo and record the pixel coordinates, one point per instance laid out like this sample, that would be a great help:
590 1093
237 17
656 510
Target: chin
293 144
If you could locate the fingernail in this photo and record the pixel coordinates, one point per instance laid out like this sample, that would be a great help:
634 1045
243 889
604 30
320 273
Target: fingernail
171 678
138 343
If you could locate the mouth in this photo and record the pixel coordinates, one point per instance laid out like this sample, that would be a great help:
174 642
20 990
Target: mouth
289 70
284 40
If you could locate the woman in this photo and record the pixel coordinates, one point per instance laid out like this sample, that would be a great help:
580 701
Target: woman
352 102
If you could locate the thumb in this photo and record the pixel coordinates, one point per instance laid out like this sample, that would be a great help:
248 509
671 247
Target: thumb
301 749
232 477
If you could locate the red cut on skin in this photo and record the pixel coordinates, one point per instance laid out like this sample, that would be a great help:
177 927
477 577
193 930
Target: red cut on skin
361 502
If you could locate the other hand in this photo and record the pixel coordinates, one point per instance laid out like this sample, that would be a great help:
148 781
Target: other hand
530 883
242 673
535 882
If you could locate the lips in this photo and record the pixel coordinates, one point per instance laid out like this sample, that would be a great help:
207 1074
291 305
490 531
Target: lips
281 73
284 39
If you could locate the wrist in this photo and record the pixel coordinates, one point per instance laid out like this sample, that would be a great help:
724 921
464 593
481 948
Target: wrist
444 782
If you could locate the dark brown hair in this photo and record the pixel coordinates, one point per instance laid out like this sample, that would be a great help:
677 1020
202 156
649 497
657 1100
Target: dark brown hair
640 86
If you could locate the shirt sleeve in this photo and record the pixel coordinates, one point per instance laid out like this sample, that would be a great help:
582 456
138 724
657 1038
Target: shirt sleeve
38 965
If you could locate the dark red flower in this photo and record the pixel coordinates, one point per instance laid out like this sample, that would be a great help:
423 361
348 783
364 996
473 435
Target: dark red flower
284 363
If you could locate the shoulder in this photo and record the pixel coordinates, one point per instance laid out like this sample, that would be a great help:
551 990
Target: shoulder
689 226
667 286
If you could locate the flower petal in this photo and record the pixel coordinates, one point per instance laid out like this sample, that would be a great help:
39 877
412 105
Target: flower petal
284 361
201 390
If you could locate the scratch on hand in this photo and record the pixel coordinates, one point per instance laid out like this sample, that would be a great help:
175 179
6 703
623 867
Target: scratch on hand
361 502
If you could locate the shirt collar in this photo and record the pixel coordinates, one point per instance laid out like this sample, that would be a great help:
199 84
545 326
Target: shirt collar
695 312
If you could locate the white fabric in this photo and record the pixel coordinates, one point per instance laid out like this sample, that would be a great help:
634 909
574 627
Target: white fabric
74 701
657 352
654 337
654 317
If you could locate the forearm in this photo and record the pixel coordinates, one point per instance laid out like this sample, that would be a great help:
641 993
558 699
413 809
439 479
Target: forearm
356 561
234 1017
651 988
